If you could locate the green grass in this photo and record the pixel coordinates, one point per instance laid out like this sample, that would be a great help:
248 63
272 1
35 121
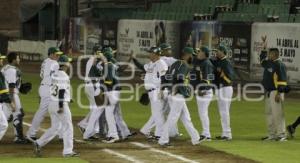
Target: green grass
247 119
43 160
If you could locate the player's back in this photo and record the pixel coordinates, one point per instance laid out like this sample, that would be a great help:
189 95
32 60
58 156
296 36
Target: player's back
61 80
48 68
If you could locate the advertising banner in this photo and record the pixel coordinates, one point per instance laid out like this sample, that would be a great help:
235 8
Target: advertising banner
285 37
136 36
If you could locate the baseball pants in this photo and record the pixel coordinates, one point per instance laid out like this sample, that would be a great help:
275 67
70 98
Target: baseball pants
121 125
59 123
151 123
203 105
3 123
113 98
156 114
275 116
44 92
179 110
224 95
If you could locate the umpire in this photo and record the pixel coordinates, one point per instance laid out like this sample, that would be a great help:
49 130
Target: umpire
275 84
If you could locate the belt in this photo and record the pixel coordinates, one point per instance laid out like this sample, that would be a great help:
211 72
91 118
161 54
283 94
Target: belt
150 90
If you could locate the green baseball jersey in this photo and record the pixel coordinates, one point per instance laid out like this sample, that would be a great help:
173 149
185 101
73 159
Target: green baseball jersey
111 74
4 95
224 73
274 76
202 74
178 78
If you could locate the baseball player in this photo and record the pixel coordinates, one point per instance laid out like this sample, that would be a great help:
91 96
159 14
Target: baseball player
292 128
4 99
112 93
60 114
201 79
12 76
154 70
224 75
48 68
178 76
92 89
275 84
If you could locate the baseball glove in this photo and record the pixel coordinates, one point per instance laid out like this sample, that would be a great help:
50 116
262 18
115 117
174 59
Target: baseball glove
144 100
101 100
25 88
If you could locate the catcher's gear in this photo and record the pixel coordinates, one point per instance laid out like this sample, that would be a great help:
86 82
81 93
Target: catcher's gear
25 88
144 100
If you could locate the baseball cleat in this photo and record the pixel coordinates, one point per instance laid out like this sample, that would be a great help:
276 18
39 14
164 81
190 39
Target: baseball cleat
223 138
204 138
281 139
21 141
268 138
110 140
92 138
73 154
36 149
165 145
291 130
82 130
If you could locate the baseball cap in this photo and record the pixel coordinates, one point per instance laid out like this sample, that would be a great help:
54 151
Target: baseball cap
2 56
222 49
155 50
64 59
165 46
54 50
188 50
108 50
205 50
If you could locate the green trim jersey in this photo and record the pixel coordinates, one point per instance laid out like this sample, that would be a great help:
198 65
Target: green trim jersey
202 74
224 74
12 76
274 76
110 77
4 93
178 78
60 81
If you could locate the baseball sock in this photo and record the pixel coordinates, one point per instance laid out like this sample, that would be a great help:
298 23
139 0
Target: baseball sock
296 123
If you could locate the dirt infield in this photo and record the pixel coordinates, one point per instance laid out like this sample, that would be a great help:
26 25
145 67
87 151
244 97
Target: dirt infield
136 149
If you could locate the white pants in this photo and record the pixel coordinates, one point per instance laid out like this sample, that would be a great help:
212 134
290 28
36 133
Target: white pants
90 122
121 125
59 123
156 114
179 110
113 98
151 123
275 116
224 95
3 122
44 92
203 105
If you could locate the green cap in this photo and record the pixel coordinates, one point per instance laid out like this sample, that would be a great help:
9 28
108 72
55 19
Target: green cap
222 49
165 46
188 50
64 59
2 56
205 50
155 50
53 50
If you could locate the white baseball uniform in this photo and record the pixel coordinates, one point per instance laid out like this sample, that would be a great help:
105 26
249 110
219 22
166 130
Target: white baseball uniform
60 122
92 90
13 76
224 95
48 68
152 81
3 122
166 108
